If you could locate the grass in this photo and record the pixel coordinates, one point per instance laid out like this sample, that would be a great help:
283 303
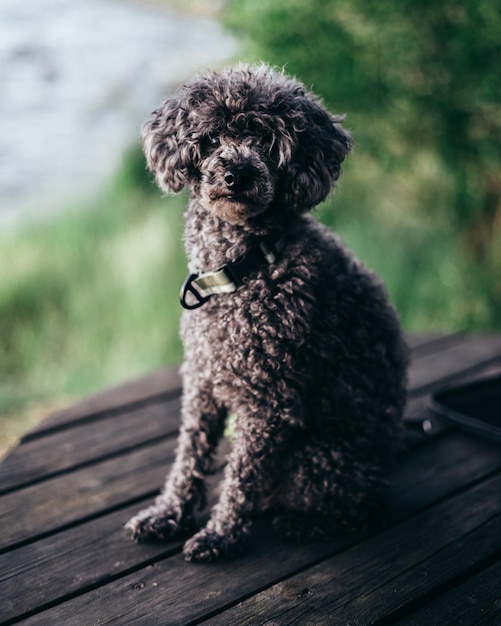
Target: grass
91 297
397 223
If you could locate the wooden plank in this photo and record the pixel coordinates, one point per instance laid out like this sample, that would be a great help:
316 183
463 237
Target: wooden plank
105 435
38 459
164 384
167 381
174 591
81 444
18 470
454 559
475 601
467 353
378 576
188 592
411 588
41 573
94 552
459 460
423 492
90 491
430 342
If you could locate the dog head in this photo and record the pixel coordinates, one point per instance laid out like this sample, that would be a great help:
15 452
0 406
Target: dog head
248 141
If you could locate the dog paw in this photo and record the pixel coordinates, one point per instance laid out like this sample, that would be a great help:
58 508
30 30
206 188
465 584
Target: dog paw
207 545
155 523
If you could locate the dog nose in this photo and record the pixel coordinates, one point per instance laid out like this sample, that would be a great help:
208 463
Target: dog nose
240 178
230 179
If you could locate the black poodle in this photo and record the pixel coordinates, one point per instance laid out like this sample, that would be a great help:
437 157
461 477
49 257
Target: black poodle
283 327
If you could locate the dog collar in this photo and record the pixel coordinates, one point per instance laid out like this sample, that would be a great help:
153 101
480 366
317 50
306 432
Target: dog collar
228 278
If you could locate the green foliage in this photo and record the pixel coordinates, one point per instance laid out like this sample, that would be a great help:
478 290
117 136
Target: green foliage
92 297
420 83
419 62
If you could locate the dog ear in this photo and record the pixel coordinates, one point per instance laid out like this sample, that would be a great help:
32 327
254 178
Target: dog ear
169 152
321 146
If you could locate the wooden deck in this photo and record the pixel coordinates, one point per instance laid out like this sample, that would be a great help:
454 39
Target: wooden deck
68 488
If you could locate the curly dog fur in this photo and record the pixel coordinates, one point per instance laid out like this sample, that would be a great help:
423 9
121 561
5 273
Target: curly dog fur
307 352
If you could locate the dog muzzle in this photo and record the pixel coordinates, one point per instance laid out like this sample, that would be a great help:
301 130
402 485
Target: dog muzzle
198 288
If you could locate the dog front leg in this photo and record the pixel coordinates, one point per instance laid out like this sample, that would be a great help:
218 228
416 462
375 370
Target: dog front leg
202 427
254 451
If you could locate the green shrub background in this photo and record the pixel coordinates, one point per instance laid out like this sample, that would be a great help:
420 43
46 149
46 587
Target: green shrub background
91 297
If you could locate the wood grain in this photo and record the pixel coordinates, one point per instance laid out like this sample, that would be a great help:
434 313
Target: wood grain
37 459
72 484
225 585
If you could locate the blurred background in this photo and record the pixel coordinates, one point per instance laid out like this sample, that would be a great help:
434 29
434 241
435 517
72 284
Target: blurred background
91 254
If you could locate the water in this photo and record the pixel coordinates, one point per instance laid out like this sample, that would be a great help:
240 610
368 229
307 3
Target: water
76 81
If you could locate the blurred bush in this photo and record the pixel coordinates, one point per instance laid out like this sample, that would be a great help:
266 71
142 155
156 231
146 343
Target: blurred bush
420 83
90 298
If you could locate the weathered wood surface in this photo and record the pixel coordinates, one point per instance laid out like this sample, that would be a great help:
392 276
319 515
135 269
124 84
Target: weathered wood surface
68 488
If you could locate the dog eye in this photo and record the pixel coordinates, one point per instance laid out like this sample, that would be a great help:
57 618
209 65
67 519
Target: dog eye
209 143
266 137
269 143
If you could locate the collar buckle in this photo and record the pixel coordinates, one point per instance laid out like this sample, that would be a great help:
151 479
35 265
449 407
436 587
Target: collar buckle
197 299
198 288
